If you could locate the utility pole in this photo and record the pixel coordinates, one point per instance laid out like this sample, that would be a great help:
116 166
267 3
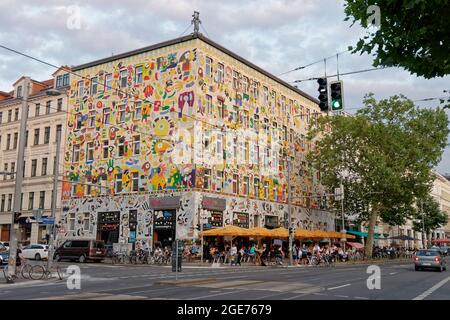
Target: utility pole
342 213
291 233
18 182
54 197
424 243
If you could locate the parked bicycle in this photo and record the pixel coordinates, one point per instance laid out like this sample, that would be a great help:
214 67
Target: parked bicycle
23 271
39 272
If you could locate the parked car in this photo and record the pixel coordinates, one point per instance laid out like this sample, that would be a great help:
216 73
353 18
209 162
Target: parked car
445 250
5 244
429 259
35 251
4 254
81 250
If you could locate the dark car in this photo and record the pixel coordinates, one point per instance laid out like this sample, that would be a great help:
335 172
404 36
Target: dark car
429 259
81 251
4 255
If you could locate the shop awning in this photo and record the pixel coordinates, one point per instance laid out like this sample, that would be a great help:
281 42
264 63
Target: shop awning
362 234
259 232
356 245
227 231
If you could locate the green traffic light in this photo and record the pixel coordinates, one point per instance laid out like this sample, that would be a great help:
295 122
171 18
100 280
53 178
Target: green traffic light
336 105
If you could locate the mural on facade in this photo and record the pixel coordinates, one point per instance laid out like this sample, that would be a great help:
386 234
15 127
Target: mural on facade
122 120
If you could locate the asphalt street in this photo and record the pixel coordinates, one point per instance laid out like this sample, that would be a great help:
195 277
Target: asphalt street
397 280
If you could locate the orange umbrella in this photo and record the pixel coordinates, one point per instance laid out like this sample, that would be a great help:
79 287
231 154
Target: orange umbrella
259 232
227 231
280 233
303 233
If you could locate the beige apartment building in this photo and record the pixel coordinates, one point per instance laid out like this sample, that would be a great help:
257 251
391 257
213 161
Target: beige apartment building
45 114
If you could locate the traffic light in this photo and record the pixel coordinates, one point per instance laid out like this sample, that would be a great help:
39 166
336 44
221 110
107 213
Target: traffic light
323 94
337 99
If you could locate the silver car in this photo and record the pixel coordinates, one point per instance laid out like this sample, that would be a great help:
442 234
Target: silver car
429 259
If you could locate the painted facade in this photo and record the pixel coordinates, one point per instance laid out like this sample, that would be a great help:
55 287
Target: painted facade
121 151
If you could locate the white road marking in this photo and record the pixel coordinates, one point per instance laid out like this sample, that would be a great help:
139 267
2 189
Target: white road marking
340 296
217 294
345 285
432 289
319 294
364 298
392 273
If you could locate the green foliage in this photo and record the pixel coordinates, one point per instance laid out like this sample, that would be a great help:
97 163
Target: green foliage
412 34
383 155
429 216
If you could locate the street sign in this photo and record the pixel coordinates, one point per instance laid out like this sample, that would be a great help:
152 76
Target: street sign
339 193
49 220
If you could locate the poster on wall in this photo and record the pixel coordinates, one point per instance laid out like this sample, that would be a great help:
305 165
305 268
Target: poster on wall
66 189
164 219
241 219
216 219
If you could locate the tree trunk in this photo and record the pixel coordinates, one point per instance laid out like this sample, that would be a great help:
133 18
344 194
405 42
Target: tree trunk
369 244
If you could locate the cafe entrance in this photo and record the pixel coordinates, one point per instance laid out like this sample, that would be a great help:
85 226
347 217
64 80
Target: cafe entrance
108 227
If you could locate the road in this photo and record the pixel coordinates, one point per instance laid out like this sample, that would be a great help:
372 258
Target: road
398 280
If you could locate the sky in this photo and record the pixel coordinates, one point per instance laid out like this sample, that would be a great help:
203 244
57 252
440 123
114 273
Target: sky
277 35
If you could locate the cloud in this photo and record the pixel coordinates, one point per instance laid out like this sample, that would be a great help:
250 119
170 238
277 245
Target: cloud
277 35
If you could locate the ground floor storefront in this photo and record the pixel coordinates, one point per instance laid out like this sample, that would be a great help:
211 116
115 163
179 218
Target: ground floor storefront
150 219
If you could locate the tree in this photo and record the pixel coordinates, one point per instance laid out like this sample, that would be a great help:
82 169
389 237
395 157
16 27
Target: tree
383 155
428 216
411 34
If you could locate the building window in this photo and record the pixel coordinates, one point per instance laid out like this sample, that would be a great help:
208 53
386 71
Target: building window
24 168
33 167
256 122
209 106
244 118
236 77
256 187
208 64
122 113
26 138
137 145
48 106
9 115
90 151
245 186
219 180
266 190
245 151
44 167
123 78
106 115
76 153
9 202
221 110
135 180
86 221
72 221
80 88
105 149
255 91
91 119
79 123
5 170
138 75
207 179
235 184
118 183
245 85
37 110
94 85
138 110
8 141
41 200
59 81
220 72
36 136
66 79
108 82
265 95
30 200
16 136
234 114
13 169
59 104
19 92
255 154
121 146
1 117
2 206
46 135
16 114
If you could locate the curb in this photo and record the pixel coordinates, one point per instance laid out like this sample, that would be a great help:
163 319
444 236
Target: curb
187 281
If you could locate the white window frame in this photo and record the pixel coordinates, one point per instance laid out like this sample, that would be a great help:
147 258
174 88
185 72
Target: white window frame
122 113
92 119
108 82
123 77
208 64
138 110
135 181
80 88
106 116
90 151
76 153
138 75
94 85
136 145
220 73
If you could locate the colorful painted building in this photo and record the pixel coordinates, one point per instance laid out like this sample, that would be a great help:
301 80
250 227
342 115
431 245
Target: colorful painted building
144 127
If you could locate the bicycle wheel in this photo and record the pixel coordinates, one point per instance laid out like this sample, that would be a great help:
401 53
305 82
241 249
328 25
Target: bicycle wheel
37 272
59 273
25 272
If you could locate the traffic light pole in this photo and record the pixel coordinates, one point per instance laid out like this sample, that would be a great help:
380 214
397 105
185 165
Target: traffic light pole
18 182
291 258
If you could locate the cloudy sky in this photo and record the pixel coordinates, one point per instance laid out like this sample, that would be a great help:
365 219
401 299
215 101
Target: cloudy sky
277 35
